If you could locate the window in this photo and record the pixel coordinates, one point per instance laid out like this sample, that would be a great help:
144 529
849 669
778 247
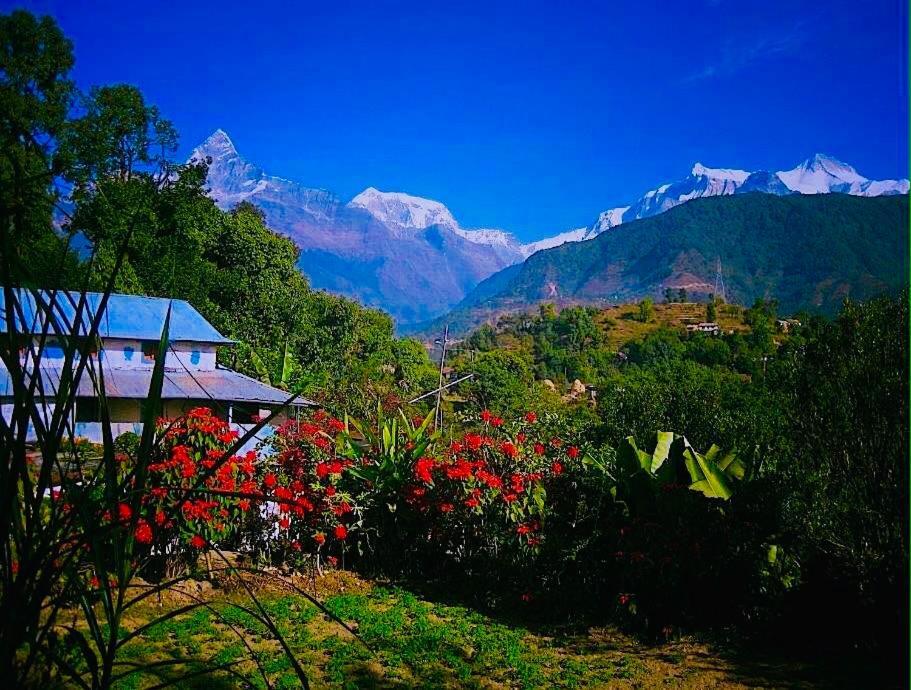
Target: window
149 351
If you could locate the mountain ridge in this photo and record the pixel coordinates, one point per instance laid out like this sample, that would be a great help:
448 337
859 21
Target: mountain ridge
807 251
410 256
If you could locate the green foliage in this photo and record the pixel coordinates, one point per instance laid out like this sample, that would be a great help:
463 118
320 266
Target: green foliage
501 383
805 250
36 94
385 452
646 310
673 460
845 484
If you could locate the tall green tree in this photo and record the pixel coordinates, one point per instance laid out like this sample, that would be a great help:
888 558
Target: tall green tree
36 93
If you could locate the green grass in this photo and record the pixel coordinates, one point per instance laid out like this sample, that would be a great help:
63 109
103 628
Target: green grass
404 642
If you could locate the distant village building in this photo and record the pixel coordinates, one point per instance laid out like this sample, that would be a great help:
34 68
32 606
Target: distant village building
709 327
129 334
785 325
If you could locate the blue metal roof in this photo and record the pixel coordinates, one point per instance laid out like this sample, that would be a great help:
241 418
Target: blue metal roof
221 384
126 316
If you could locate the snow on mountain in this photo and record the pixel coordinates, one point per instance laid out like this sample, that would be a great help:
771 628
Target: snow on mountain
820 174
576 235
824 174
884 187
231 179
607 220
403 211
400 241
738 176
765 182
409 214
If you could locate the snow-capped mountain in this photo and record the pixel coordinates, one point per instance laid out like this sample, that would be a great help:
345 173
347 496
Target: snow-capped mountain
823 174
232 179
410 256
407 213
820 174
403 211
398 252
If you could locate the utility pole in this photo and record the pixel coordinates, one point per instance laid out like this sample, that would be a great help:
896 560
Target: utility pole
438 413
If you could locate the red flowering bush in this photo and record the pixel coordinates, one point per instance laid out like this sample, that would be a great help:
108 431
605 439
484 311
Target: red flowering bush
482 497
196 495
305 484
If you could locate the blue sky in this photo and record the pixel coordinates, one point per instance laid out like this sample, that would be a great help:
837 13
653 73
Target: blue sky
524 115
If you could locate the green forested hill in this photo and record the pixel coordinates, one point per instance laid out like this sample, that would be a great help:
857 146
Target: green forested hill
808 252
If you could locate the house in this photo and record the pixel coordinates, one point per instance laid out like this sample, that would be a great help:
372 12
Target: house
709 327
786 325
129 332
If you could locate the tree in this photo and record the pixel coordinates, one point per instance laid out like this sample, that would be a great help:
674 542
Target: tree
120 135
711 313
36 93
502 381
646 310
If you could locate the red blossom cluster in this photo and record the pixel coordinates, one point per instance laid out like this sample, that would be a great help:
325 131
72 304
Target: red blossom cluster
499 471
307 483
198 493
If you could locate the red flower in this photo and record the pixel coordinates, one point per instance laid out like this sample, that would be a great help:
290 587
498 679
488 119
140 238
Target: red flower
496 422
143 532
623 599
423 470
508 449
572 452
531 417
197 542
486 416
284 523
540 449
341 532
124 512
556 468
270 480
319 538
446 507
332 560
472 503
330 490
336 425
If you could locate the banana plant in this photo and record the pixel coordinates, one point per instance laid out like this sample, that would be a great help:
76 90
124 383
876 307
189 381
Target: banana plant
280 376
673 460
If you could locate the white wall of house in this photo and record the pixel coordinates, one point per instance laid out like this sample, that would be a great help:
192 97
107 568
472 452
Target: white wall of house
119 353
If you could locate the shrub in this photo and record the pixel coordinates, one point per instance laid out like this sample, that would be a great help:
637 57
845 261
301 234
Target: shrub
310 511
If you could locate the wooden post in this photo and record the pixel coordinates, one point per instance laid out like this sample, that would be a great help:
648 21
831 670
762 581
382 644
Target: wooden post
438 413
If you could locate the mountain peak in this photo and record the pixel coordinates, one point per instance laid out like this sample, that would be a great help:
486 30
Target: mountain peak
403 210
217 144
699 170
